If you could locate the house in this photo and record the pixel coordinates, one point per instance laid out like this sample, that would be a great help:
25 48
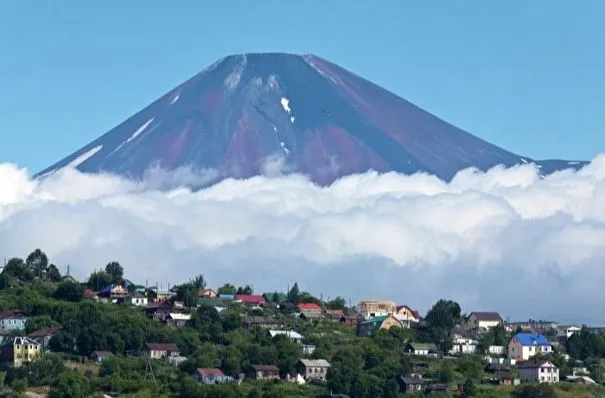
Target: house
409 385
372 308
532 325
114 293
226 296
406 315
566 331
542 371
484 320
250 299
333 315
261 322
291 334
580 379
311 315
496 350
523 346
462 344
207 293
350 321
178 320
137 299
91 294
420 348
275 298
385 322
13 320
43 336
211 376
19 351
313 369
176 360
162 350
308 307
264 372
100 356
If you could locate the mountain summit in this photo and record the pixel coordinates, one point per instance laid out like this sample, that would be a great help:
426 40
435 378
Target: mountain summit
312 116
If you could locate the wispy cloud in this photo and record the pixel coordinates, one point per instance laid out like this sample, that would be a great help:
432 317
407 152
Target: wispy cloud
506 240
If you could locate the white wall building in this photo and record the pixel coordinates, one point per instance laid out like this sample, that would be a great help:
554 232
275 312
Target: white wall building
538 371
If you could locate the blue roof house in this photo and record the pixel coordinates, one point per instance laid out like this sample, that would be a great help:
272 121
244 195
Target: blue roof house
523 346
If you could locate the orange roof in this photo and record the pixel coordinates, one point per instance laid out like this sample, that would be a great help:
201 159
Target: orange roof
309 307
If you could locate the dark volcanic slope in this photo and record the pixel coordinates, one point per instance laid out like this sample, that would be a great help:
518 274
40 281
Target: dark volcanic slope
323 120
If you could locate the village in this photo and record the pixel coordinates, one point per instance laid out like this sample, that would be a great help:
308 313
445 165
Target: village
512 353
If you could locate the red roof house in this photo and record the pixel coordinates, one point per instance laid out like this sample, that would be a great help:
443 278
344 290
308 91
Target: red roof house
250 299
309 307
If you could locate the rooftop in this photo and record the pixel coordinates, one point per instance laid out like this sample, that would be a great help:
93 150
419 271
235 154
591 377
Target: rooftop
315 363
487 316
532 339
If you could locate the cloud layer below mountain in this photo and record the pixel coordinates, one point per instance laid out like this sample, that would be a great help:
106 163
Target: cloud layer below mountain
505 240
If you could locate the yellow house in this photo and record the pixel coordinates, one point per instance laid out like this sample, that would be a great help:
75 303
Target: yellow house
406 314
21 350
373 308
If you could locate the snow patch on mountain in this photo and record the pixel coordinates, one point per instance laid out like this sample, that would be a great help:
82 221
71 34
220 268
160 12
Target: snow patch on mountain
84 157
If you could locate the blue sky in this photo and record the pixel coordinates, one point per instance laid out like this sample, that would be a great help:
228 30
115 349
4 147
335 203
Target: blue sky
527 76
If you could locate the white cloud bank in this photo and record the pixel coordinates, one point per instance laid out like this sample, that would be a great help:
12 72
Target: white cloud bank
505 240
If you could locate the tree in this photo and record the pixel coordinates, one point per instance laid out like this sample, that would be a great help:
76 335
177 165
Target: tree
199 282
294 294
469 389
37 263
116 271
70 385
227 288
188 294
442 317
244 290
69 291
98 280
53 274
15 267
446 372
338 303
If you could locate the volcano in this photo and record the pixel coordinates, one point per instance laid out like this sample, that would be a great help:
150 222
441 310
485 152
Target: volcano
301 112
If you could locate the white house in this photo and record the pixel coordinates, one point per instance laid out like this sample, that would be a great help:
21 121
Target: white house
538 371
523 346
138 300
484 320
291 334
496 350
566 331
463 345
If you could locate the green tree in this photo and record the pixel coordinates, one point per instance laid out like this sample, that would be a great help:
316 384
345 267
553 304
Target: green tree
446 372
70 385
469 389
227 288
53 274
199 282
244 290
69 291
338 303
99 280
294 294
188 294
116 271
37 263
442 317
15 267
